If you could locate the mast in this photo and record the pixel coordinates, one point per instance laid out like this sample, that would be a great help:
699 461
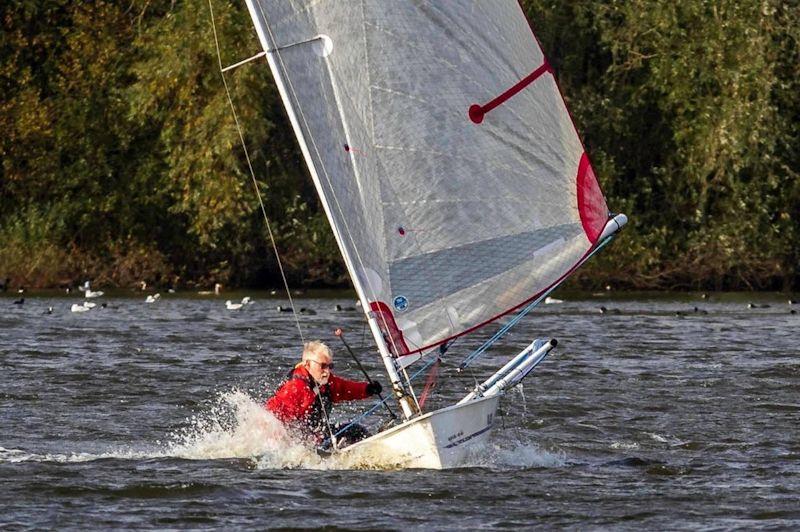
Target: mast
406 402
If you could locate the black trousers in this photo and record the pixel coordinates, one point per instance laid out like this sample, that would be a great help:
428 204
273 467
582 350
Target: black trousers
352 434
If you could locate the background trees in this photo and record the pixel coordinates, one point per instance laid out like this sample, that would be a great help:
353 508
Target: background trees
121 161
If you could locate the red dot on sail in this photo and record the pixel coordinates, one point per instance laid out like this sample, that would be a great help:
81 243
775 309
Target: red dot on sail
401 231
476 113
346 147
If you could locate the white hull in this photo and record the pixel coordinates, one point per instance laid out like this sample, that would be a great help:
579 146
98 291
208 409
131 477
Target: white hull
438 440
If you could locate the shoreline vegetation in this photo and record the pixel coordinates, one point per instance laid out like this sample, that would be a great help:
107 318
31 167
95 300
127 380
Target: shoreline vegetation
121 162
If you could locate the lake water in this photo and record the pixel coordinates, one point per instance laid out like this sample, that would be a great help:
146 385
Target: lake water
650 415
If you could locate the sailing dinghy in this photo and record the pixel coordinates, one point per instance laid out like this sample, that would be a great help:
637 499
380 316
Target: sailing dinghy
453 178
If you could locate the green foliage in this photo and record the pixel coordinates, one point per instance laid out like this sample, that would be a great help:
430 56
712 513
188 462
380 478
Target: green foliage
689 113
28 250
121 159
117 116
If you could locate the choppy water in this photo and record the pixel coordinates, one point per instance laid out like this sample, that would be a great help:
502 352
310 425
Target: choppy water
142 415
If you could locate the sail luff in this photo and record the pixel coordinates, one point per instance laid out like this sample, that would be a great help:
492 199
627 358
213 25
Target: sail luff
273 57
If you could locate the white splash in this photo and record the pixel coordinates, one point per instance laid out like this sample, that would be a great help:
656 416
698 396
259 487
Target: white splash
239 427
657 437
510 453
628 446
236 426
18 455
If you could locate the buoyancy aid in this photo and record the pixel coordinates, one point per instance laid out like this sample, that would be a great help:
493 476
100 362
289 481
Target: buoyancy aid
315 419
298 404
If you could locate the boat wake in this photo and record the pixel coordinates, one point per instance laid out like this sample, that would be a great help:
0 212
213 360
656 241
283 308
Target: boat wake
235 426
18 455
511 454
238 427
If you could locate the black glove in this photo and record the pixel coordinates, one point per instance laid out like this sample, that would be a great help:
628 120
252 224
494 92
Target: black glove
374 388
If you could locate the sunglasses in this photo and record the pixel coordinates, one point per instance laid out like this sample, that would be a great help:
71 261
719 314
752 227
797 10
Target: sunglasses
322 365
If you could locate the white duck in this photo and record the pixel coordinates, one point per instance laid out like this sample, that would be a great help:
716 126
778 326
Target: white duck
230 305
89 293
217 289
83 307
152 298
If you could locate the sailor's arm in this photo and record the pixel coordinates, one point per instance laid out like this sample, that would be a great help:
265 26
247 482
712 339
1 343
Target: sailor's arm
347 390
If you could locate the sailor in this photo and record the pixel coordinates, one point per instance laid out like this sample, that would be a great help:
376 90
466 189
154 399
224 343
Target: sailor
303 402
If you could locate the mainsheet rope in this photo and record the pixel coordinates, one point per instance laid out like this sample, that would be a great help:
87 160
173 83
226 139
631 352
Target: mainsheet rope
253 176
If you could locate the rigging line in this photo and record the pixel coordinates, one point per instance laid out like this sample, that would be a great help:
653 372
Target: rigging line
328 179
522 313
503 330
327 418
253 175
375 407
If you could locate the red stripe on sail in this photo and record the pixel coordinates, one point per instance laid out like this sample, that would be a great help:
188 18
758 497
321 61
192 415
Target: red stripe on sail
591 203
476 112
392 334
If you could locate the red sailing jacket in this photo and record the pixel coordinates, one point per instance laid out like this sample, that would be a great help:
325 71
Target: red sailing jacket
296 404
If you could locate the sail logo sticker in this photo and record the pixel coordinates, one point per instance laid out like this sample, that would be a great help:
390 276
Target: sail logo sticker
400 303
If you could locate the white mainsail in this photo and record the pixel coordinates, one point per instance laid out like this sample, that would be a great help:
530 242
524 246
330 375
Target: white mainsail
448 164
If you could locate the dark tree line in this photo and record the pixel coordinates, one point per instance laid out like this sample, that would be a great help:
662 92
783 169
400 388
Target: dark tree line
121 161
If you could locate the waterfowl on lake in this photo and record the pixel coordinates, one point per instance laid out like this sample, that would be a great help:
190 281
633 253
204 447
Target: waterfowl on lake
216 291
83 307
152 298
230 305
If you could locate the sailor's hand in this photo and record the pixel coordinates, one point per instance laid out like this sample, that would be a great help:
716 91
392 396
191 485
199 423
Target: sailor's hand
374 388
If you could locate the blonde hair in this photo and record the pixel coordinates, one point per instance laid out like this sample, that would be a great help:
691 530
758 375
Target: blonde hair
316 348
